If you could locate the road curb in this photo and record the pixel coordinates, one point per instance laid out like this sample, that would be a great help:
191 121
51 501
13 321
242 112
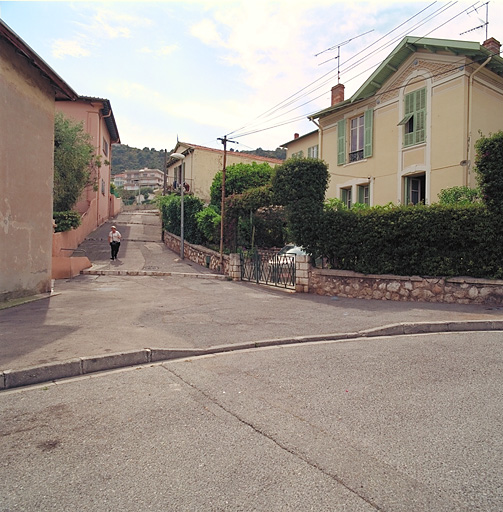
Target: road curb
90 272
87 365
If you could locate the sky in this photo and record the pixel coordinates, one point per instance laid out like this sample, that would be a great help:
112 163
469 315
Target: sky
251 70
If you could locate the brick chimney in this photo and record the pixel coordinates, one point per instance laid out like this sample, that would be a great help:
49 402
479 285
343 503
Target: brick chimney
337 94
295 135
492 45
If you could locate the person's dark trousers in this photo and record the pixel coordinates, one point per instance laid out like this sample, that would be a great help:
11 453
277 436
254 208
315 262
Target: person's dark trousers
114 246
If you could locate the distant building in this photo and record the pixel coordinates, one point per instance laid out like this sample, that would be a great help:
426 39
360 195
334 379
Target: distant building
303 145
201 164
119 179
142 178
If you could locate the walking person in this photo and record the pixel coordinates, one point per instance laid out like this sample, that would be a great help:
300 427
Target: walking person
114 239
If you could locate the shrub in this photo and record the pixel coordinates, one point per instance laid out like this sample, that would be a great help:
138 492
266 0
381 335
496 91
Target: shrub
459 195
208 221
65 221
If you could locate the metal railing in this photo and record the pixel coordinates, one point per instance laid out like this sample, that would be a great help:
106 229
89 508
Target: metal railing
271 268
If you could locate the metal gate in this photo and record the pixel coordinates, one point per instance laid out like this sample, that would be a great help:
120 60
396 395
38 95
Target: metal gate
265 267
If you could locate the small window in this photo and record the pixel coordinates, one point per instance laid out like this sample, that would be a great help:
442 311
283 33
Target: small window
105 147
346 197
312 152
357 131
415 189
299 154
364 194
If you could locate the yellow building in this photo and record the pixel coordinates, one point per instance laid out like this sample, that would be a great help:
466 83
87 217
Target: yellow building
410 129
201 164
306 145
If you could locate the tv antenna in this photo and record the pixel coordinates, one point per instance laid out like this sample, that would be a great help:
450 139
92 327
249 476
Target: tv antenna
338 46
484 23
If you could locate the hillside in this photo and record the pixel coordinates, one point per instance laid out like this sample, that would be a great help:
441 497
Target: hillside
127 158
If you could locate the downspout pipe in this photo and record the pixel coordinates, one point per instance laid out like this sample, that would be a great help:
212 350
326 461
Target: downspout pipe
320 138
469 127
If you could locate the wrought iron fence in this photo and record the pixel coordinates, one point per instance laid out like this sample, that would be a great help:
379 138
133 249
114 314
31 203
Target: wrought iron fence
266 267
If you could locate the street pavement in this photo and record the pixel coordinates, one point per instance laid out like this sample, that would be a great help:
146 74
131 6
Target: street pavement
301 403
118 320
401 423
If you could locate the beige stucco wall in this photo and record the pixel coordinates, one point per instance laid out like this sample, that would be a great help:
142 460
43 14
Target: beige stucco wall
94 124
302 143
26 177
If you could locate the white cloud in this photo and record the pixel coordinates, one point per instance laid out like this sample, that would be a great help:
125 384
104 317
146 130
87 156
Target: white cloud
207 32
62 47
167 50
110 24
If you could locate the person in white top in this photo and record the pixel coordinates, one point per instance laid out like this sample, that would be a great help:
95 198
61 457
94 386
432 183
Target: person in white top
114 239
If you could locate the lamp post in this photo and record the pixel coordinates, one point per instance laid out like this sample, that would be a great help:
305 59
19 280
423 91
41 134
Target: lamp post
138 181
179 156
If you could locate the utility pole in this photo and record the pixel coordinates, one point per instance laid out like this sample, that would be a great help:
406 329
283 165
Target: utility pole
164 187
224 140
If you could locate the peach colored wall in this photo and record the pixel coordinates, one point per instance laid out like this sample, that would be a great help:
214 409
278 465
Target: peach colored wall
26 176
89 114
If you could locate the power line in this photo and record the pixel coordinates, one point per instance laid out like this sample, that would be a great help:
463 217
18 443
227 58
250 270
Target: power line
297 96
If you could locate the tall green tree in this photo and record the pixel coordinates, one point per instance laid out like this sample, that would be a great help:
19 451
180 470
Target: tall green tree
238 178
489 168
73 155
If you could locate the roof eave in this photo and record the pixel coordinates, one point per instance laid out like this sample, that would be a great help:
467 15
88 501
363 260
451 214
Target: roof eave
62 90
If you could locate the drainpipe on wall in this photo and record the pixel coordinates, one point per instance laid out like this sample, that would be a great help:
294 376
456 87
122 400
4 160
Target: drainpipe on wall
320 138
100 118
469 127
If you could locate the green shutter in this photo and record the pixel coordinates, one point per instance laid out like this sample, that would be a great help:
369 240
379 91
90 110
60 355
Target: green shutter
420 125
361 194
367 139
407 190
341 142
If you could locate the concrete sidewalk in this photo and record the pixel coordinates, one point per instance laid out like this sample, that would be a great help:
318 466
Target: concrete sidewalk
152 306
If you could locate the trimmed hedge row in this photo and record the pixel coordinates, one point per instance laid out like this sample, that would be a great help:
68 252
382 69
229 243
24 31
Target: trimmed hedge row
416 240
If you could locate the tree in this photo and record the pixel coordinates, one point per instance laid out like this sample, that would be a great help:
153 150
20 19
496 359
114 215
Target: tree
238 178
73 155
489 168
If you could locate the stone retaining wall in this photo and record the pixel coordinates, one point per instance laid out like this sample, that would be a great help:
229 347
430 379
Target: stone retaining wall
456 290
198 254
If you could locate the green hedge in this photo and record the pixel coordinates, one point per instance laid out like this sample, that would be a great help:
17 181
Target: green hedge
65 221
419 240
170 207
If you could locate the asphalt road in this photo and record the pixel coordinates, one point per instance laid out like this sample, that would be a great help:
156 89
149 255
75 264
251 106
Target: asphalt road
409 423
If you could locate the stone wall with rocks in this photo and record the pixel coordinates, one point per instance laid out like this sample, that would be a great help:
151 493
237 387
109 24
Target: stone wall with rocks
198 254
455 290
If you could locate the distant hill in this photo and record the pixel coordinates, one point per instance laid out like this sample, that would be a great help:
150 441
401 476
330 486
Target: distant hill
279 153
125 158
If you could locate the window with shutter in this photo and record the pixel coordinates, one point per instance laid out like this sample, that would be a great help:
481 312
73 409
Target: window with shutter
414 122
341 142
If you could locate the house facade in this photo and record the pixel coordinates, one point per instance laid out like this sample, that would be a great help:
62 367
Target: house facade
306 145
410 130
98 120
201 164
28 91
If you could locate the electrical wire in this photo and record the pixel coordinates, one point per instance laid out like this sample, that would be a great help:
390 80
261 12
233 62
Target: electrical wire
289 101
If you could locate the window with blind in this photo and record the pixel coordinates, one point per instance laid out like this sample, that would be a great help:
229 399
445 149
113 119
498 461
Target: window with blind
414 121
